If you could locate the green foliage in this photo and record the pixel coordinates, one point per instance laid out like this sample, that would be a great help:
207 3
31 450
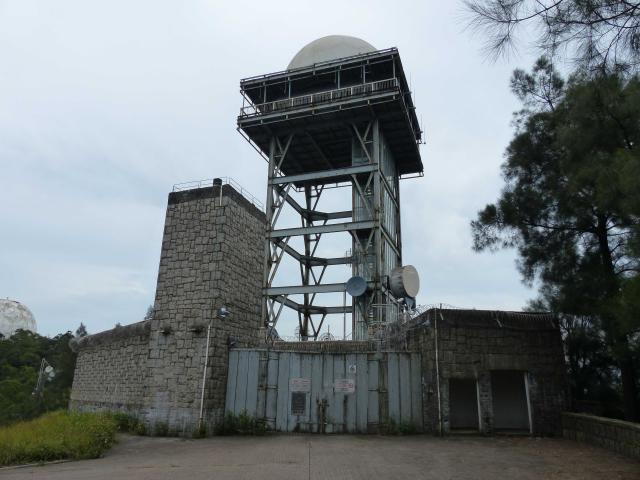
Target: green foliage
597 34
200 431
391 427
571 208
161 429
242 424
57 435
127 423
20 357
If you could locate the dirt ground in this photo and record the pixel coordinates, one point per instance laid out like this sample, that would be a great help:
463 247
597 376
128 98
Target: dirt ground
285 457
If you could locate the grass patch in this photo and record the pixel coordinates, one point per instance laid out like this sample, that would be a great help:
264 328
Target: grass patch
242 424
58 435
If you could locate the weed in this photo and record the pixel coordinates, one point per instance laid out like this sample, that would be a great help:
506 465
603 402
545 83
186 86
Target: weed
161 429
57 435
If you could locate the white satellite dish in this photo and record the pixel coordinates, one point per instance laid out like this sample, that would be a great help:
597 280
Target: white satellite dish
356 286
404 282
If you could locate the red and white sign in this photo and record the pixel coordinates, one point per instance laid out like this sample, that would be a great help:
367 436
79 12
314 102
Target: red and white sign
344 385
299 384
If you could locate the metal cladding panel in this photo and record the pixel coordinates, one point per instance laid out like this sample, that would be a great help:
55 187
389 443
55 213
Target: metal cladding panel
373 410
393 387
293 421
282 409
317 392
253 370
416 390
387 387
405 387
351 404
241 385
327 386
362 393
232 380
337 405
272 389
261 401
306 370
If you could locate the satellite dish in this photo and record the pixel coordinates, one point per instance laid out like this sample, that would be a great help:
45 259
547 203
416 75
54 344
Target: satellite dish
48 369
356 286
404 282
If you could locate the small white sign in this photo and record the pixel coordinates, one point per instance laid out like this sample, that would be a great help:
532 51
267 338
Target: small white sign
344 385
299 384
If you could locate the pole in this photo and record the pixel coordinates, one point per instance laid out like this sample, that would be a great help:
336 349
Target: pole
344 315
204 376
435 323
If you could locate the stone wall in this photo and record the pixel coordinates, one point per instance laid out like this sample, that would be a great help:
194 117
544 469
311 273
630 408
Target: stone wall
111 370
617 435
211 256
473 343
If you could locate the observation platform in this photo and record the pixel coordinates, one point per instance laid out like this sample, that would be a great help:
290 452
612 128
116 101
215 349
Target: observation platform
322 102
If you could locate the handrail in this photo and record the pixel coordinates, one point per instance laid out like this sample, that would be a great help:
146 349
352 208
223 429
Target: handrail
320 98
320 65
181 187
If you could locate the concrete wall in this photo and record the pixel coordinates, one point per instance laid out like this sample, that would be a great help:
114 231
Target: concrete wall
211 257
473 343
617 435
111 370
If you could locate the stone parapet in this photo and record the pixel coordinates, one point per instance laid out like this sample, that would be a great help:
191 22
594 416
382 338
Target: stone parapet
616 435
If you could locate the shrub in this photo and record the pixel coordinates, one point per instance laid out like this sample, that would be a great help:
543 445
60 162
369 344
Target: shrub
57 435
242 424
127 423
200 431
161 429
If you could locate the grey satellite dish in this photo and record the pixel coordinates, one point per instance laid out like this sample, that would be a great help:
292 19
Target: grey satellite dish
356 286
404 282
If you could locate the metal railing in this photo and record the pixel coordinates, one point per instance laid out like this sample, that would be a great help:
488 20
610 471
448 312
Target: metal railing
320 98
180 187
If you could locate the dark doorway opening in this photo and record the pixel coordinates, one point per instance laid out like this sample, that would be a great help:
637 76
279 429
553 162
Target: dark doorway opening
463 404
510 404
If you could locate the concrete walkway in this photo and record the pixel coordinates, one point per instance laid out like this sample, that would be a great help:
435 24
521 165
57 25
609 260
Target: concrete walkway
298 457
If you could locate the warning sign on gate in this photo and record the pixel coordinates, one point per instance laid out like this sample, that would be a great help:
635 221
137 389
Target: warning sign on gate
299 384
344 385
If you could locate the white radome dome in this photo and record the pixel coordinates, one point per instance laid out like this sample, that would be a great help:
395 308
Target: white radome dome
15 316
329 48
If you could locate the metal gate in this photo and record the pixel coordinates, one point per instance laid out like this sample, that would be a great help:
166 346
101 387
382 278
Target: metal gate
326 392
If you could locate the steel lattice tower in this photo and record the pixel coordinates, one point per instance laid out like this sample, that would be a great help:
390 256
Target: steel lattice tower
340 115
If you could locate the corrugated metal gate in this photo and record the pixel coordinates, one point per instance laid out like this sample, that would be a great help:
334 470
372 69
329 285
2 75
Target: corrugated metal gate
326 392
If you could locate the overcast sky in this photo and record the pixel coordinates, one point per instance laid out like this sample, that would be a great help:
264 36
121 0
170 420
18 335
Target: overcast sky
104 105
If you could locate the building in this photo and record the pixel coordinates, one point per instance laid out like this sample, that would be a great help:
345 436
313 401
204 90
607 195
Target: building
444 371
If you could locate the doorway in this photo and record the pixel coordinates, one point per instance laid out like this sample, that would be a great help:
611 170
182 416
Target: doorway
510 401
463 404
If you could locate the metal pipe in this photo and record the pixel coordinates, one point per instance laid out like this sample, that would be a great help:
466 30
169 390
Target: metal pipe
344 315
435 323
204 375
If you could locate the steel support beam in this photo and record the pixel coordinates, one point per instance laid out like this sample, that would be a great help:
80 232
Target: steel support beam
320 229
324 174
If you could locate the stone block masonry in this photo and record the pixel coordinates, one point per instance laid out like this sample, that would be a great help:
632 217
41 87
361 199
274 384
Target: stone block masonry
617 435
211 256
475 345
111 370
